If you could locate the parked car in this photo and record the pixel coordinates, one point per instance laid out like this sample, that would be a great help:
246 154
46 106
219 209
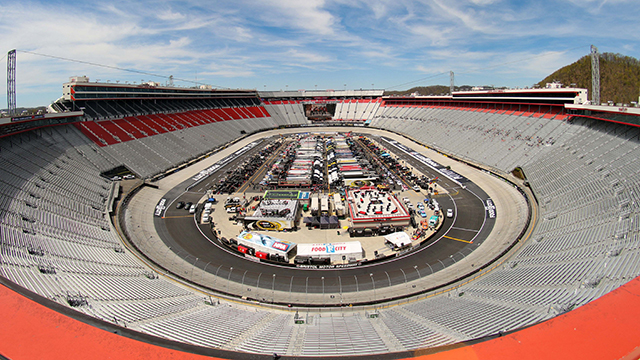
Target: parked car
180 205
449 213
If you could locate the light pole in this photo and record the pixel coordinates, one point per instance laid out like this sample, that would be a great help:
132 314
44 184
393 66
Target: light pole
215 279
418 271
204 271
175 255
355 277
242 282
258 285
194 265
290 287
405 278
229 279
273 291
374 286
323 290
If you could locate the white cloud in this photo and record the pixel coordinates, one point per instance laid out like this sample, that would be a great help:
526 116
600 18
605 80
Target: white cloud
168 15
308 15
249 42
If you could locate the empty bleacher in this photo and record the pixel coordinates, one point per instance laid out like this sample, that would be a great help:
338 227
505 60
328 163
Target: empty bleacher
57 240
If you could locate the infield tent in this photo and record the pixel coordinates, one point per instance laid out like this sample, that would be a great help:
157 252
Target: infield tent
397 240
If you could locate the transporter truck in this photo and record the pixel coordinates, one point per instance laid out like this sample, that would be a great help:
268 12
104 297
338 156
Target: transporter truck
315 206
338 205
324 205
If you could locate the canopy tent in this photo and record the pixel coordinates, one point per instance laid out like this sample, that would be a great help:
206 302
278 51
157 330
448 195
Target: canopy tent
397 240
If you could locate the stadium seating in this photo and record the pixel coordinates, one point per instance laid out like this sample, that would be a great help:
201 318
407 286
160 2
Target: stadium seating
110 132
584 173
361 110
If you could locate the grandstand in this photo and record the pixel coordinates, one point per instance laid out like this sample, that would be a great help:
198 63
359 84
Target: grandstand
59 242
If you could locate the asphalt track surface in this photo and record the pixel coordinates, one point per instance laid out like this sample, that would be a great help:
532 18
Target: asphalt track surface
456 238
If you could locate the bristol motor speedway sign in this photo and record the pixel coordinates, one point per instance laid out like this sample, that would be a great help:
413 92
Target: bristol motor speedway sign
160 207
491 209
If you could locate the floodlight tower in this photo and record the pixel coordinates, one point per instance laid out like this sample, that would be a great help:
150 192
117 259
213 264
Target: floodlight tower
451 78
11 82
595 76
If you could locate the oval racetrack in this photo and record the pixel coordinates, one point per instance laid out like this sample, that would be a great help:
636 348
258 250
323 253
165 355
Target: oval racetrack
456 239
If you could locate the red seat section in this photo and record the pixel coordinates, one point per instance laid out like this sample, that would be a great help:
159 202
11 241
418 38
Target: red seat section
140 123
158 118
126 125
221 115
115 130
96 133
152 124
109 132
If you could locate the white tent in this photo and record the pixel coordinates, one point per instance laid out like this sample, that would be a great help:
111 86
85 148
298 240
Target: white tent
398 240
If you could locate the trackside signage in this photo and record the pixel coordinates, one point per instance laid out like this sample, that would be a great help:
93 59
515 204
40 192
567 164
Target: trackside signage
215 167
491 209
160 207
427 161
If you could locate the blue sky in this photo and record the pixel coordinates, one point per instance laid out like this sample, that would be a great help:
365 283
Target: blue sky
304 44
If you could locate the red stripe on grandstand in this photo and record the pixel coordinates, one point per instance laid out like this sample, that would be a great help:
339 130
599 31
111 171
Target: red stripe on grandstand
158 118
126 125
89 134
221 115
97 130
264 111
115 130
152 124
143 126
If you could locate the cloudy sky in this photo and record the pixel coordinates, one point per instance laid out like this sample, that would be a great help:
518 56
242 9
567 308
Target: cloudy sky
306 44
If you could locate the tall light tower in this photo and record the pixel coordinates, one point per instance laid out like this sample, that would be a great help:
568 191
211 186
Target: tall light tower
451 79
595 76
11 82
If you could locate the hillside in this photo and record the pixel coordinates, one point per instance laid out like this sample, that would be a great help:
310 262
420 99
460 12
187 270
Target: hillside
619 77
424 90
